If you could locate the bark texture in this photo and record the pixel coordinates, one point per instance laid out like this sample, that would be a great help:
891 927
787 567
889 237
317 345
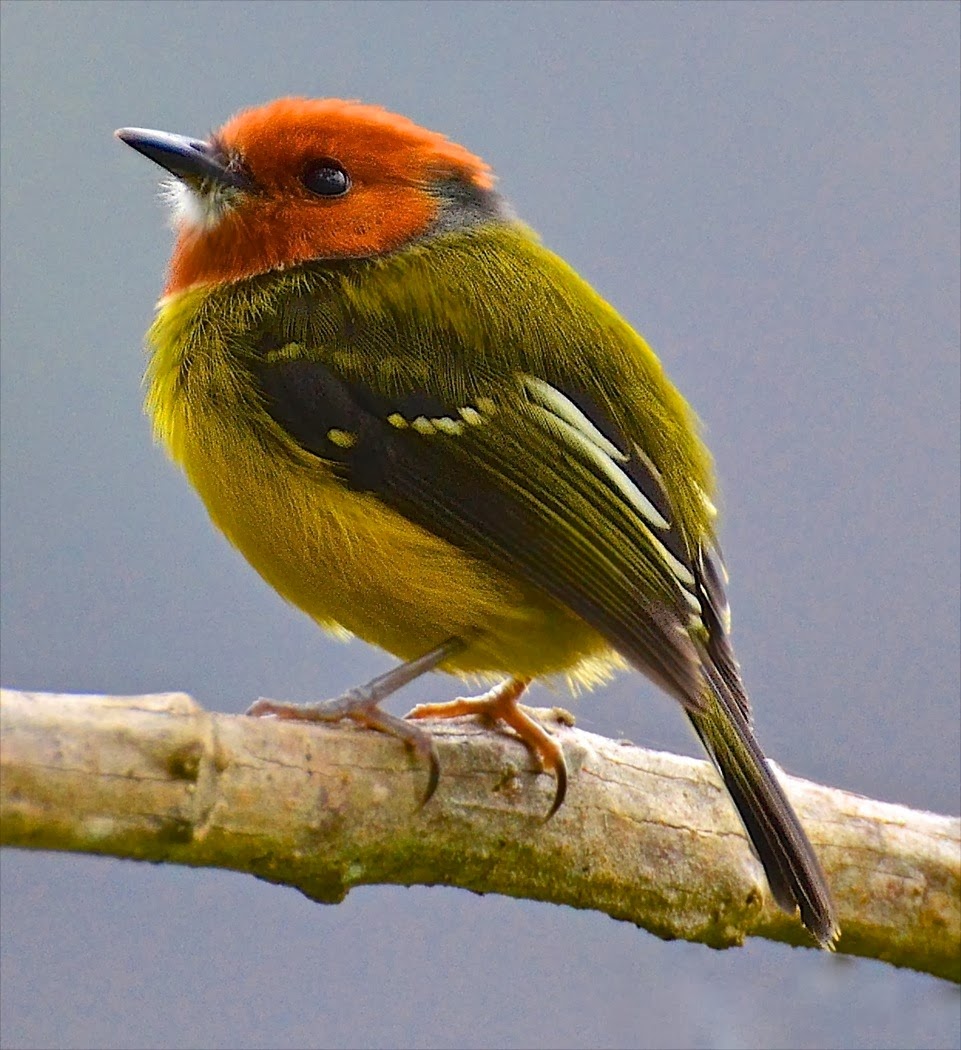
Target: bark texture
644 836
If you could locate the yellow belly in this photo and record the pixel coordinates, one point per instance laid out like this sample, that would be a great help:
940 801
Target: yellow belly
342 557
353 564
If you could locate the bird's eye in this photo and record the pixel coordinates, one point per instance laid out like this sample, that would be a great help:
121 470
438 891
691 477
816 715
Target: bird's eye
326 178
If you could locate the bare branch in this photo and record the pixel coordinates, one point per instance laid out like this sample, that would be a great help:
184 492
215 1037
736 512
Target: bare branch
644 836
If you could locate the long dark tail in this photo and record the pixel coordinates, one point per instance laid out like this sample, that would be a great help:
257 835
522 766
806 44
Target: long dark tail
792 868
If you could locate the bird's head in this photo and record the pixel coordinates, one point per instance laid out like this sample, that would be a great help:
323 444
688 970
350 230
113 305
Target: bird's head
305 179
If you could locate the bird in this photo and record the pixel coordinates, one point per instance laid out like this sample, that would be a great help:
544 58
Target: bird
425 429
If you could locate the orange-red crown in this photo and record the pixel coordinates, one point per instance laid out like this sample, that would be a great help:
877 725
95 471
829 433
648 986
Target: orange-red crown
391 162
276 136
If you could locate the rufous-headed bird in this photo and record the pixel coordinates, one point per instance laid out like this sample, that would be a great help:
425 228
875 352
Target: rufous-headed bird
423 428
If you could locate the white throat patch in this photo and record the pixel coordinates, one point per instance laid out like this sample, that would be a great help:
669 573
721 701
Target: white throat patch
197 208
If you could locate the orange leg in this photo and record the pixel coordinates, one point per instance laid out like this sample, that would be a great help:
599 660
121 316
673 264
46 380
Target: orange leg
500 704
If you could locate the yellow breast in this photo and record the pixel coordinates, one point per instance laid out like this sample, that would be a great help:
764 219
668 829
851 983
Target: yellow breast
343 557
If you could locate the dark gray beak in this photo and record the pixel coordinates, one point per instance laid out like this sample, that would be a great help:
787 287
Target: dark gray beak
191 159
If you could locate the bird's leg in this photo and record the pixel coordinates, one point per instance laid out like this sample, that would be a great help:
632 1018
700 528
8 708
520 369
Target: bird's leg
361 705
500 704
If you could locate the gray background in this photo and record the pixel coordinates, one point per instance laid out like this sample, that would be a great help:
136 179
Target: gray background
770 193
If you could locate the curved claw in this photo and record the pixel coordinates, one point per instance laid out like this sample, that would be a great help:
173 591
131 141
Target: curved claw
433 777
416 739
560 791
363 711
360 705
501 704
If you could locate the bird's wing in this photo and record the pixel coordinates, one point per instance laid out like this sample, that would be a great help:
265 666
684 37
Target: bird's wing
521 475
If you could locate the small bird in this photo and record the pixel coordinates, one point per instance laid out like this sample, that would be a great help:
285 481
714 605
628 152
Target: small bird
423 428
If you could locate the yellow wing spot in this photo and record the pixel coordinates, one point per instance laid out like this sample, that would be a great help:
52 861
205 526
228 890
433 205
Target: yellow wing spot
424 426
695 627
341 438
680 570
486 405
471 416
692 602
397 420
446 425
708 503
552 400
287 352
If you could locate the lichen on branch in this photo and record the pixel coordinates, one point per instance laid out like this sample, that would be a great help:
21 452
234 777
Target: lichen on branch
643 836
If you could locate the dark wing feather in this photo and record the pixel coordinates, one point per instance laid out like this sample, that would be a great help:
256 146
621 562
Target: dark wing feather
510 483
521 481
706 565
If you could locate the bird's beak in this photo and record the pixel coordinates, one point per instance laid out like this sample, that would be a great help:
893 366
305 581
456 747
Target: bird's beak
190 159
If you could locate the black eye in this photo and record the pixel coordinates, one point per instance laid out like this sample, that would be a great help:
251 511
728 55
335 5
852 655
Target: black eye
326 178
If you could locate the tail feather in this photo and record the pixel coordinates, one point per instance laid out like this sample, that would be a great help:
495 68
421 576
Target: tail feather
792 868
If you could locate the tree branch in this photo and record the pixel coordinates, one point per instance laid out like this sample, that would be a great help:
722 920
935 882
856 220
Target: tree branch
644 836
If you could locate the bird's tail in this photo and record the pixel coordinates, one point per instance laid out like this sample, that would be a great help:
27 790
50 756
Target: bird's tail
792 868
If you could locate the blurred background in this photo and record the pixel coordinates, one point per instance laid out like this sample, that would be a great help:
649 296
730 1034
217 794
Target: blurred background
770 192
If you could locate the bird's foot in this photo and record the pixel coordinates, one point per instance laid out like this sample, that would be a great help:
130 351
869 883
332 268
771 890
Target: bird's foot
364 712
361 705
500 704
